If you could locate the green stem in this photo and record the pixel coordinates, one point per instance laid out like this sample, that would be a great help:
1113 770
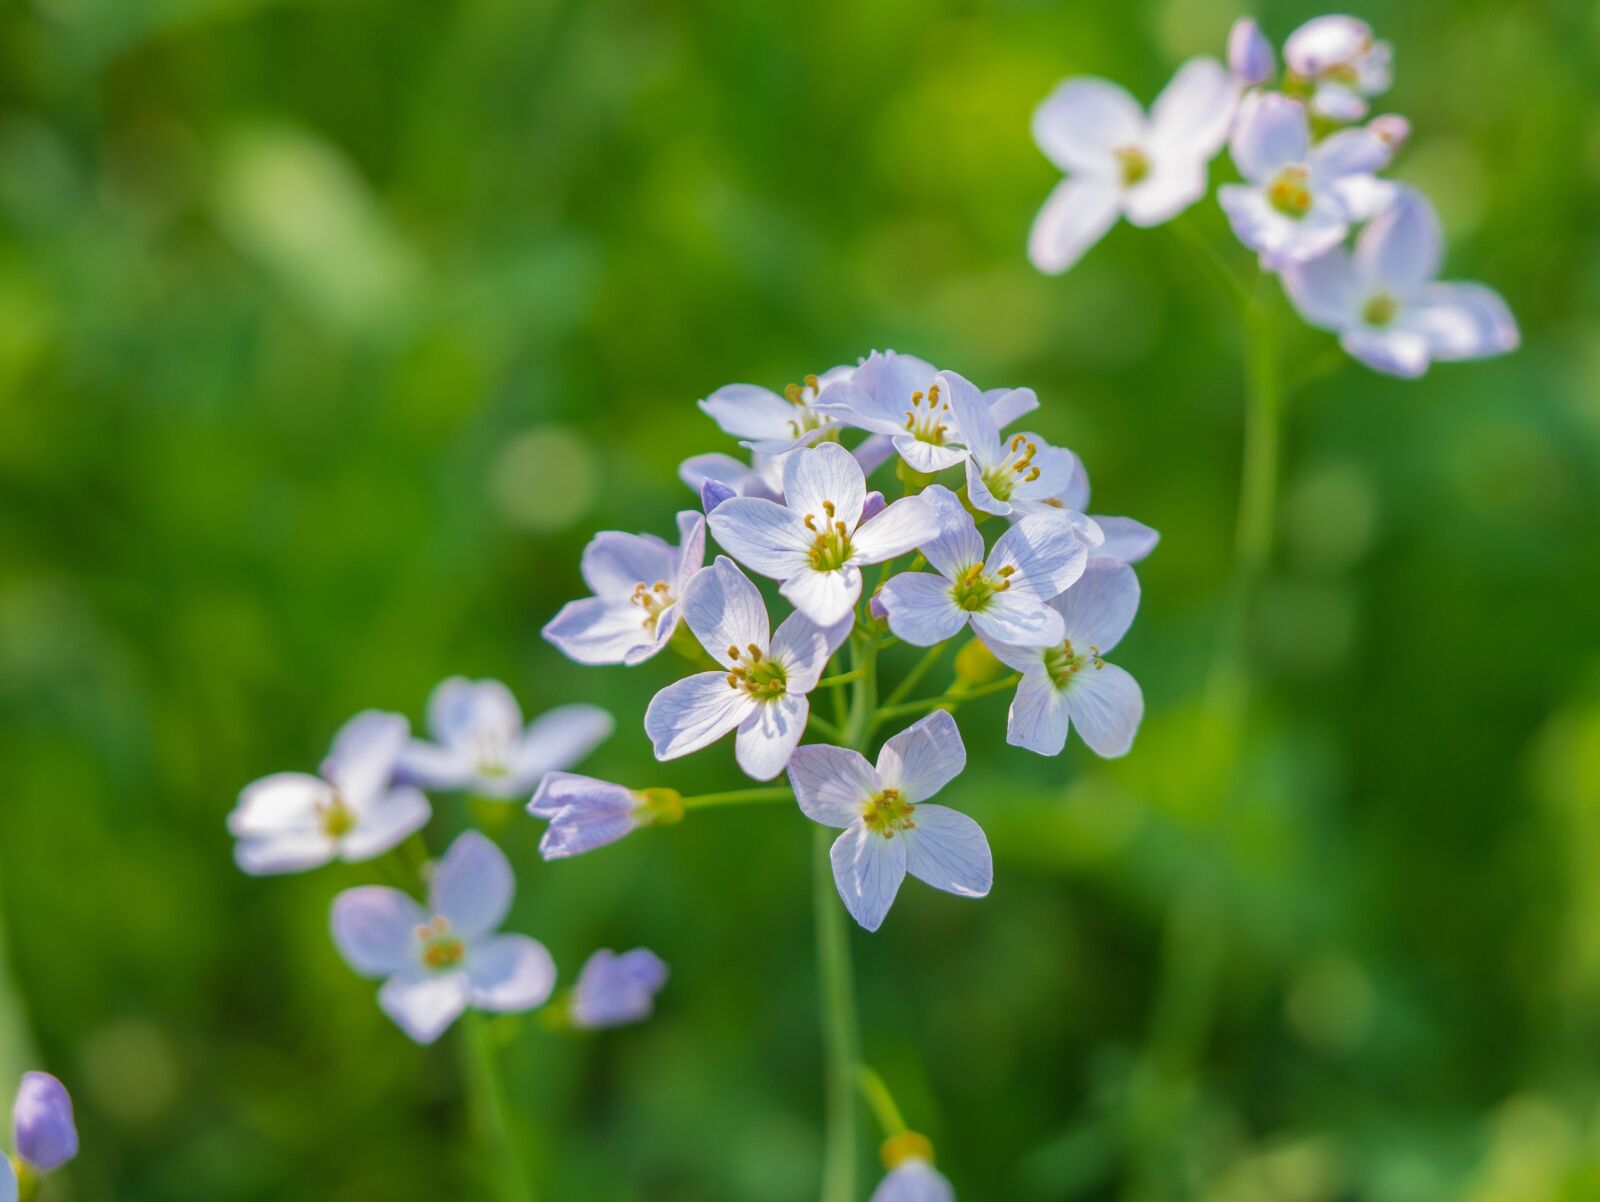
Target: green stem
918 671
881 1100
948 700
828 682
737 797
1218 268
828 730
491 1112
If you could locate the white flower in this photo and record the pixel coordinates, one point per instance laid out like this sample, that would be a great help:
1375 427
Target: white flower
1118 162
638 581
1250 55
1070 684
1300 200
763 694
913 1180
771 424
1387 307
483 746
729 477
1003 596
613 989
1338 55
1019 475
438 961
888 830
1126 540
291 821
817 541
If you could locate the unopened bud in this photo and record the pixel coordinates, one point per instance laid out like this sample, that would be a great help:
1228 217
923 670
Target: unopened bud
976 664
1250 55
660 807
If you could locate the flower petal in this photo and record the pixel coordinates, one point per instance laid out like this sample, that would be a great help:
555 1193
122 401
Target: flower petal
693 713
44 1133
958 545
1007 405
831 784
1191 117
1018 618
584 813
509 973
868 869
920 609
914 1181
1401 247
283 851
948 850
1250 55
1075 216
364 754
748 411
1326 42
1106 705
1037 720
614 562
375 929
824 597
725 610
923 758
974 420
764 536
598 630
1271 132
8 1181
768 737
1395 352
1127 540
925 457
559 739
824 475
1097 611
1349 152
1324 289
460 709
1174 183
386 823
473 886
423 1005
803 647
1083 121
903 526
1045 553
1465 321
283 803
615 989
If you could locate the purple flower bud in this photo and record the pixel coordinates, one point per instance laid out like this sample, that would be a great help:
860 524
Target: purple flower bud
1392 128
714 493
584 813
43 1131
1250 56
873 506
615 989
876 607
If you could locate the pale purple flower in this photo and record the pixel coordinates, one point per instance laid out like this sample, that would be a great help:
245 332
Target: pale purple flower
1250 55
292 821
913 1180
1070 683
771 424
820 537
584 813
1121 163
1392 128
1339 56
727 476
437 961
1002 595
763 693
1300 200
1125 539
1386 305
888 829
43 1132
1005 476
8 1180
614 990
638 582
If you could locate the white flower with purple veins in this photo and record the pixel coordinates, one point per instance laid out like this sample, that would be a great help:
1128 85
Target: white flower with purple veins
1120 162
1337 54
888 829
763 691
292 821
1002 595
437 961
1126 540
1386 305
1006 476
584 813
913 1180
638 581
614 990
771 424
43 1131
1300 200
1070 683
827 528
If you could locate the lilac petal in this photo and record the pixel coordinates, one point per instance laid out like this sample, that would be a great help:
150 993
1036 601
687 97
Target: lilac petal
1271 132
914 1181
824 597
875 503
1075 216
44 1133
423 1005
8 1181
920 609
1007 405
1324 290
948 850
1191 118
614 562
613 990
1395 351
831 784
714 493
1127 540
823 476
925 457
748 411
1401 248
1349 152
459 710
764 536
1083 121
509 973
958 544
596 630
375 929
725 610
1465 321
973 418
1013 617
473 886
1097 611
768 737
1106 705
1037 721
584 813
900 528
1250 55
1045 553
694 713
803 647
923 758
858 404
364 754
868 869
1323 43
437 766
557 740
716 467
386 823
874 452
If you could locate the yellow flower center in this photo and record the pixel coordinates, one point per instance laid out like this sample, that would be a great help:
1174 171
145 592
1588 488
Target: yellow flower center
1014 469
652 598
755 674
337 819
440 948
973 590
1062 663
802 397
928 417
1380 310
831 550
887 812
1135 164
1290 191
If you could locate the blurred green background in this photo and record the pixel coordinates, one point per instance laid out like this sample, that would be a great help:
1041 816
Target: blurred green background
329 333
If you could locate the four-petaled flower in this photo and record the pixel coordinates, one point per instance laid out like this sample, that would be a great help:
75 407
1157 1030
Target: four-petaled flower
638 583
438 961
1120 162
1386 305
484 747
817 540
44 1133
291 821
889 829
1002 595
615 989
771 424
1338 57
763 691
1070 683
1017 475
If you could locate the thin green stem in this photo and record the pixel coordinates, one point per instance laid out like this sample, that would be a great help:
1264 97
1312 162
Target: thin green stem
918 671
734 797
828 682
1217 268
881 1100
828 730
948 700
491 1112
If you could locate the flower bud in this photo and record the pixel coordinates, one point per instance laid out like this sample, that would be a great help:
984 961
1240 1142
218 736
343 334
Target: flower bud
976 664
1250 55
43 1130
714 493
1391 128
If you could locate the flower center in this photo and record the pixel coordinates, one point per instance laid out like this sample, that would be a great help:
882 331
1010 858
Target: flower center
1062 663
1380 310
440 948
831 551
1290 191
973 591
1014 469
755 674
1135 164
652 598
887 812
927 419
337 819
802 397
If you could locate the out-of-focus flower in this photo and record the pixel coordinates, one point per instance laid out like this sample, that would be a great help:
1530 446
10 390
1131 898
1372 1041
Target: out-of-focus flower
1070 684
818 540
1250 55
771 424
483 746
1386 304
1300 199
8 1181
43 1131
615 989
888 830
914 1180
1392 128
763 694
585 813
1018 475
437 961
1002 595
638 582
292 821
1118 162
1339 56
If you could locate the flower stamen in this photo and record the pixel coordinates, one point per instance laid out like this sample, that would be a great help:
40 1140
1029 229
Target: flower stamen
440 948
1134 164
652 598
887 811
924 418
1289 192
755 674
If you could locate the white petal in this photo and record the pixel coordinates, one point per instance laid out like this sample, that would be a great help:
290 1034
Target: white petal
559 739
925 457
1395 351
868 869
1326 42
1045 552
763 535
283 803
914 1181
920 608
283 851
385 823
1075 216
364 754
973 418
853 403
948 850
1127 540
1018 618
1465 321
923 758
831 784
1192 115
1400 249
1006 405
1080 123
375 929
1271 132
691 551
1038 717
747 411
824 597
694 713
1174 183
423 1005
1106 706
768 737
614 562
1363 197
823 474
509 974
803 647
978 494
902 527
958 544
725 610
473 886
1349 152
1097 611
1324 290
1014 655
596 630
460 709
436 765
724 469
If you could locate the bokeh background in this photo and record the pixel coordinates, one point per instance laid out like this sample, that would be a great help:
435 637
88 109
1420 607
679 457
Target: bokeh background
328 334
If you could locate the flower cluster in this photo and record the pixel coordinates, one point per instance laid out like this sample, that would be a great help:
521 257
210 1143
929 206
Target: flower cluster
44 1135
1358 255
